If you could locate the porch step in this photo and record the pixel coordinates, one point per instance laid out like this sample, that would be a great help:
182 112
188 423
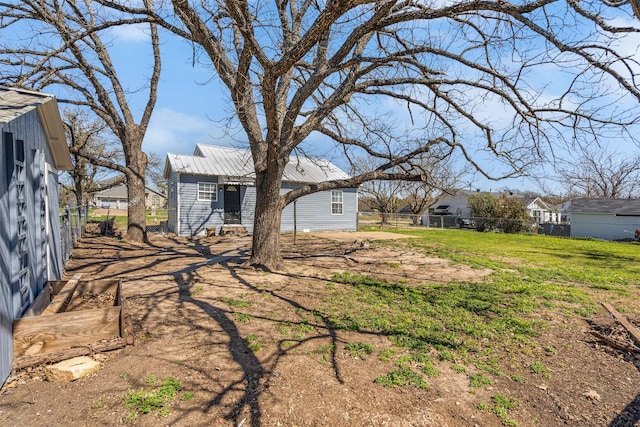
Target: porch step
234 230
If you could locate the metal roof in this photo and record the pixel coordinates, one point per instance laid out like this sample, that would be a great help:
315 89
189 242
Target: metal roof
16 102
605 206
235 163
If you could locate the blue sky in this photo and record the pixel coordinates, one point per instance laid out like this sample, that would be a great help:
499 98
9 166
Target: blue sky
193 107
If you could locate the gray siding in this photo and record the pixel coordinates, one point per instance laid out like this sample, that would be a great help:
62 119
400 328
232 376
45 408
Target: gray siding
604 226
313 212
196 215
6 299
30 249
248 207
172 202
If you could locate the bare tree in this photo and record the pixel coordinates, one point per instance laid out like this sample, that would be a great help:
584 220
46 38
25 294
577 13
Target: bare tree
440 177
64 47
469 75
87 142
383 197
600 174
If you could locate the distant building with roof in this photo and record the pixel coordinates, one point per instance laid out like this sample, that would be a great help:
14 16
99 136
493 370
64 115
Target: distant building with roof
215 187
608 219
456 204
117 197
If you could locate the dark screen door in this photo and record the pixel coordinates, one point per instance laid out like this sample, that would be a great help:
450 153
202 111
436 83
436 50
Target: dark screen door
232 204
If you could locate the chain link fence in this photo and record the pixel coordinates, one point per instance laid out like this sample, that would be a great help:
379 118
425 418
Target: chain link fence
395 221
73 221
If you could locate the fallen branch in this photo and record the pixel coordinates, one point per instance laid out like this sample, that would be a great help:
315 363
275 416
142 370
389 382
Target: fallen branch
633 331
613 343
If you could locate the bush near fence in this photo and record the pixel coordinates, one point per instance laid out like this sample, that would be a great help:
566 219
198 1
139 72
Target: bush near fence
400 221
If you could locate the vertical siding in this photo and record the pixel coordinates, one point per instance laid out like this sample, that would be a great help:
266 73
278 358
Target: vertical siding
55 266
40 245
195 215
6 305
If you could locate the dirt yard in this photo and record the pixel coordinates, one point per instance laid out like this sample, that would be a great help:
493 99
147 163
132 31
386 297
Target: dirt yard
259 365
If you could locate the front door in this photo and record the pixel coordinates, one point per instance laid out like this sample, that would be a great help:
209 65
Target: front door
232 204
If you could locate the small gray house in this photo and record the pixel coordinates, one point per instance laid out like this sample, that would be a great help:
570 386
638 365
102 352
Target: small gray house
215 187
33 150
608 219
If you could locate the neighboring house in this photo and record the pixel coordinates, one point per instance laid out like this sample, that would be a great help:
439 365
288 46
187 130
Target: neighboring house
608 219
117 198
33 150
456 204
543 212
216 186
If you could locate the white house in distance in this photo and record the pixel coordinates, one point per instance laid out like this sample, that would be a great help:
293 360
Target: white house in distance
456 205
215 187
608 219
34 150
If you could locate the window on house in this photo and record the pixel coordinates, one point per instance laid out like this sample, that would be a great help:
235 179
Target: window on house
208 191
336 202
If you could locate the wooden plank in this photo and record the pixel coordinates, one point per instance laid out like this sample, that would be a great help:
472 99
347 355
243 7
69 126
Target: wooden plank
126 325
40 303
59 302
633 331
56 356
65 330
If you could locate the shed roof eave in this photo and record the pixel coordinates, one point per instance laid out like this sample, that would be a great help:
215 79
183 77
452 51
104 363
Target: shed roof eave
54 132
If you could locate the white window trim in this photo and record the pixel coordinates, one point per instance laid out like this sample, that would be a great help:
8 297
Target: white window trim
341 202
214 192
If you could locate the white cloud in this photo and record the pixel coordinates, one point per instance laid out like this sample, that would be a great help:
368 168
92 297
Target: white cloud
176 132
131 33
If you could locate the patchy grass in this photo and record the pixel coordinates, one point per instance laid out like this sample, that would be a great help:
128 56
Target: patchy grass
470 322
501 406
402 377
358 349
156 400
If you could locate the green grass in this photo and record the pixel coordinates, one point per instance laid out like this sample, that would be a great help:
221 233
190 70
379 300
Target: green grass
402 377
253 343
358 349
501 406
121 220
480 323
540 369
156 400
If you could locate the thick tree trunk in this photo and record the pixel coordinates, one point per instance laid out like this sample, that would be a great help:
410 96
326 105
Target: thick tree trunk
79 190
266 225
137 222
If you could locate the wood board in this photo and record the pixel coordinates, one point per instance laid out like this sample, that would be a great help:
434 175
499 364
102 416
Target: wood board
58 331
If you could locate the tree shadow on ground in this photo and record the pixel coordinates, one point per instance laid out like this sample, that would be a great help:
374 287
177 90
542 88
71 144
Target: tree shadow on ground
630 416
